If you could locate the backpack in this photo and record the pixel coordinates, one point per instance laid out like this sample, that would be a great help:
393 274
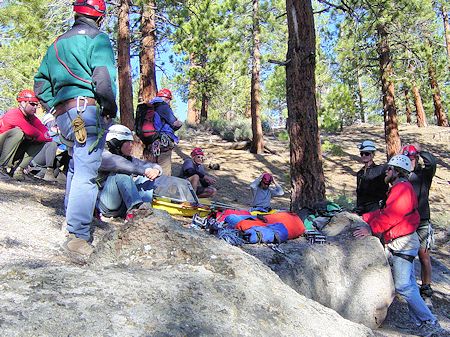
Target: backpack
144 125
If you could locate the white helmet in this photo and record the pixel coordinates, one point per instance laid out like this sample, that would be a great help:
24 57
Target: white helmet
119 132
367 145
401 161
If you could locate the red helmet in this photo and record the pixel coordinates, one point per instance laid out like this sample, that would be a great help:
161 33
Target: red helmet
197 152
164 93
95 8
409 150
27 96
267 178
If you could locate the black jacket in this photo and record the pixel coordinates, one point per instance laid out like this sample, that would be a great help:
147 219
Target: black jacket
370 188
421 179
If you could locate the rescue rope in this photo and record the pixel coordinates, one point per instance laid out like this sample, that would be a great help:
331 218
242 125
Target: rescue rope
79 128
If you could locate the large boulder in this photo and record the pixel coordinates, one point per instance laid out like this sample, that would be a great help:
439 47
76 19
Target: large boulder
157 278
351 276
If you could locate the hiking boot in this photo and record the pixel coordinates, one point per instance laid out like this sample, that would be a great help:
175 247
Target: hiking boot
426 291
78 246
49 175
19 174
4 175
429 329
144 210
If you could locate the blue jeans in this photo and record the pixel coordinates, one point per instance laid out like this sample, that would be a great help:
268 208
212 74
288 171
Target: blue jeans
145 188
406 286
119 195
81 187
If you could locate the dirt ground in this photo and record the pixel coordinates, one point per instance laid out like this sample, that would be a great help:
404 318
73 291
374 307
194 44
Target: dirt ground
237 169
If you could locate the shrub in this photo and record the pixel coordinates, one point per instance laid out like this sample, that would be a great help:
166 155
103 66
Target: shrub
333 149
283 135
236 130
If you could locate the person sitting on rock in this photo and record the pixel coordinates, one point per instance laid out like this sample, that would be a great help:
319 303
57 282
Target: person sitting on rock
396 224
194 171
371 188
52 162
22 136
262 192
421 178
126 182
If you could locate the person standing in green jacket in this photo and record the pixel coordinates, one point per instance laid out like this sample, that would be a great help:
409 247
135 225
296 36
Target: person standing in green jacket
77 82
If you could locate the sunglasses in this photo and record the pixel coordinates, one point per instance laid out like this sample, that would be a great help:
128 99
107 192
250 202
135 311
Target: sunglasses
200 157
390 168
33 103
365 154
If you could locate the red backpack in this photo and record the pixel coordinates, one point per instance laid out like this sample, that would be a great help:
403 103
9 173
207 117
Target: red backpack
145 123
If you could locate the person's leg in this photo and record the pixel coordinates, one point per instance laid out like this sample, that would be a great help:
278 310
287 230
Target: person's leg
82 190
405 285
425 232
165 161
25 153
145 188
207 192
120 189
195 182
9 143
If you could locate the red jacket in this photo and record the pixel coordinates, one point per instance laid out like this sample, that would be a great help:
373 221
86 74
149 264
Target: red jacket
399 217
31 126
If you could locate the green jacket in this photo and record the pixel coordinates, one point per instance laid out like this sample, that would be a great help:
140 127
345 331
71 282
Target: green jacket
85 68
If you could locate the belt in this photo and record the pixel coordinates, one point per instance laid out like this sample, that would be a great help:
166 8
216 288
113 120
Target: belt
72 103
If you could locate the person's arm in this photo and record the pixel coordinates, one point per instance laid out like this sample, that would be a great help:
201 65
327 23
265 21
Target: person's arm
254 185
104 74
277 190
429 162
17 119
151 170
398 204
165 112
118 164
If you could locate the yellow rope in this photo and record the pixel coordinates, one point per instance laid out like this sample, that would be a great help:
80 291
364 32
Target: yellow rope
79 130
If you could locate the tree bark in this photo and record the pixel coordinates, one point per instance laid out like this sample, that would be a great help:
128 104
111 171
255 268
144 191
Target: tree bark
387 88
255 89
307 178
407 106
360 99
441 117
147 83
124 66
447 32
193 115
420 112
204 109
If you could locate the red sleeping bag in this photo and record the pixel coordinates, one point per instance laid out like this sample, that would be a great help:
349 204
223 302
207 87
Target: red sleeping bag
222 215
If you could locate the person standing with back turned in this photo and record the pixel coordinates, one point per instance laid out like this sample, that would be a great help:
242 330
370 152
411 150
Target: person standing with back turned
77 81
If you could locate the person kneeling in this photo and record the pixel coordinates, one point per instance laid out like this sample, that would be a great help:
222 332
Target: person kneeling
194 171
121 194
262 193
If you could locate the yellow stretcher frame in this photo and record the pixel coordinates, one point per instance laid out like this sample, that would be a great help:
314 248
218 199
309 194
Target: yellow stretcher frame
185 209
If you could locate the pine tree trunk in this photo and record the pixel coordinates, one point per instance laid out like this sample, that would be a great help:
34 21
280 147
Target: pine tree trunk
360 99
407 106
307 178
447 32
124 66
257 145
441 117
420 112
204 109
147 84
193 115
387 88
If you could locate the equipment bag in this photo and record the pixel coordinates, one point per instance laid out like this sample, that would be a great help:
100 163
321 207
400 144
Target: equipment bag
145 123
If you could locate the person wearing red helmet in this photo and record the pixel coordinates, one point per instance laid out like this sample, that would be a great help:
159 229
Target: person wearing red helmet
166 123
22 136
77 82
194 171
262 192
421 178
